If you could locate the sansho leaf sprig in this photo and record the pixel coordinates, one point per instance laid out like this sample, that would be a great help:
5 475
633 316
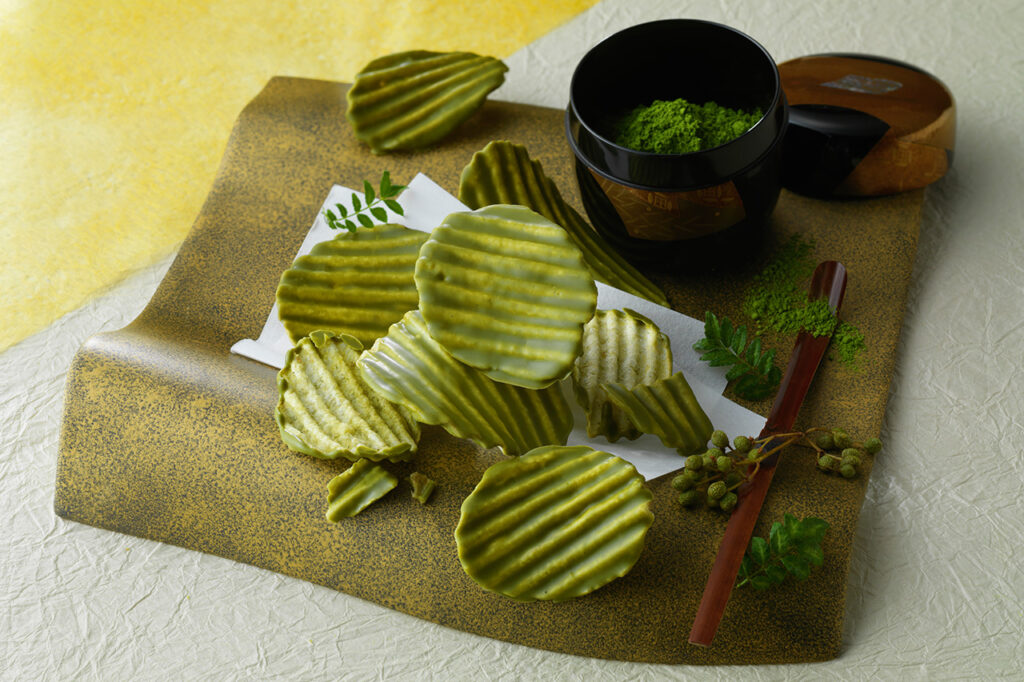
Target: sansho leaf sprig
752 369
365 213
793 547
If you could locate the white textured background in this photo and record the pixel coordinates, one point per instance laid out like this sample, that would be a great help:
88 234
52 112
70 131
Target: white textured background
936 589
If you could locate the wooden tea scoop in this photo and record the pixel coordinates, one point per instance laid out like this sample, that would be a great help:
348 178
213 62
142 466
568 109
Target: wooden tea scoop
829 281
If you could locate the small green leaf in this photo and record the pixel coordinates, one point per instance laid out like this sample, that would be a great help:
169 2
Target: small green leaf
752 375
704 344
813 529
356 204
792 525
746 387
342 210
758 550
752 387
735 372
778 539
725 333
393 205
351 226
719 358
792 548
711 328
739 340
368 193
813 555
379 213
754 351
775 573
385 184
364 220
797 566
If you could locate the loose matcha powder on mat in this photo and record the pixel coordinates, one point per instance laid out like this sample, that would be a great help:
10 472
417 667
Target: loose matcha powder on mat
681 127
778 301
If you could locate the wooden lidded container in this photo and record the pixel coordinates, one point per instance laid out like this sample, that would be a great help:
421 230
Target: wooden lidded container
861 125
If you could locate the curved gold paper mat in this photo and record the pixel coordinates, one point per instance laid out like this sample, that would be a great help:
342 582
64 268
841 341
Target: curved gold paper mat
168 436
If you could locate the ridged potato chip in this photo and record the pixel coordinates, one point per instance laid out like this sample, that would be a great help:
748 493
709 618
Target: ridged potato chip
504 290
359 283
557 523
327 411
409 367
504 173
412 99
668 409
622 347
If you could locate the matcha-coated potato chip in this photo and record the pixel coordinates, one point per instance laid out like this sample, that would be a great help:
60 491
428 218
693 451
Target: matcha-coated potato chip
504 290
503 173
557 523
354 490
623 347
326 410
413 99
410 368
359 283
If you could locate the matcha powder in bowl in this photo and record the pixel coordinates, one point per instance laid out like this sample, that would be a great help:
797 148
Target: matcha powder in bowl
681 127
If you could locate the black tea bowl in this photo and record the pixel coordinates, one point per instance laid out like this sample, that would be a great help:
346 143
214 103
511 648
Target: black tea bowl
676 207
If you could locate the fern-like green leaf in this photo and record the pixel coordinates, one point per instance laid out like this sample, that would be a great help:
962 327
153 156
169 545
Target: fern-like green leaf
368 209
752 372
793 548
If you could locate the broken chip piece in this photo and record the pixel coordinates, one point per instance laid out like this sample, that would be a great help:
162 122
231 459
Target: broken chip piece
360 486
556 523
422 487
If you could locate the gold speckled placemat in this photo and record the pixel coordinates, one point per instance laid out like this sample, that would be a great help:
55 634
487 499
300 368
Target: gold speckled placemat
168 436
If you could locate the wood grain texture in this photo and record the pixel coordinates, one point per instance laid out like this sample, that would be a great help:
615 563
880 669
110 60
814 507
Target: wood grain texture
167 436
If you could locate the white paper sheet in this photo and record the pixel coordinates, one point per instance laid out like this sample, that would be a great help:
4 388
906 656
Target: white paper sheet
426 205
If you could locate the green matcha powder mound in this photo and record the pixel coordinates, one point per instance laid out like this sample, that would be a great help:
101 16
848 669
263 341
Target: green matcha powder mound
777 301
681 127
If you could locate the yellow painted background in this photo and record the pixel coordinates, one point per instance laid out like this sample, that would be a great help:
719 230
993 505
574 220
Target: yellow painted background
113 116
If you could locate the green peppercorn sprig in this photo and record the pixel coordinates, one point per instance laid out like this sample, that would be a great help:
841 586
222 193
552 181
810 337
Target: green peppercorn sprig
850 452
714 476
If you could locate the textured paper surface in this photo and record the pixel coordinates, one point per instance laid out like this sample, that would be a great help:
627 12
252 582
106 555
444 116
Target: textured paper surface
935 590
425 205
127 106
